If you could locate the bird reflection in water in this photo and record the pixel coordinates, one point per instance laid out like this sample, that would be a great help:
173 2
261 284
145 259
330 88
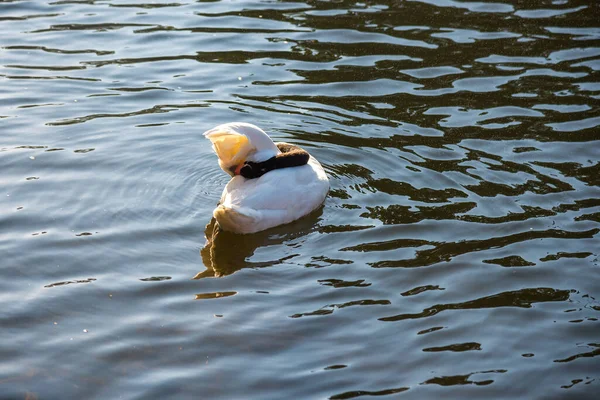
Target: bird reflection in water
225 252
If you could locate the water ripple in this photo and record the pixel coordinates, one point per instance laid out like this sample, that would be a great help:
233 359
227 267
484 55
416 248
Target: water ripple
460 233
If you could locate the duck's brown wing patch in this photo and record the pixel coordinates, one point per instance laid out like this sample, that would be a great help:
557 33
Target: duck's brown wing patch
291 156
287 147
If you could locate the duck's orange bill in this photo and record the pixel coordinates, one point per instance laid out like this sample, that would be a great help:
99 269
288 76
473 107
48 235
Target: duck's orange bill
238 169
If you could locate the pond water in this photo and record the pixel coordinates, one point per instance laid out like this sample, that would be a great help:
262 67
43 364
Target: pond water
456 255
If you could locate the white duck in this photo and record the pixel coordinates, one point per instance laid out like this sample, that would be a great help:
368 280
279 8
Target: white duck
278 197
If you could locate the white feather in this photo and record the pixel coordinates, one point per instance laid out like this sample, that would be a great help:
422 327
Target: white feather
278 197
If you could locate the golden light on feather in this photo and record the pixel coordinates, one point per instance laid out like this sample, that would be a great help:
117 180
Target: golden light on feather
231 148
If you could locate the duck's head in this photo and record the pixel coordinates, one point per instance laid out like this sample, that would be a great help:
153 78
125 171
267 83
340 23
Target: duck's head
238 142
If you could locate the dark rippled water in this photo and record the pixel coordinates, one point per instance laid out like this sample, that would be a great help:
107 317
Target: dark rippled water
455 257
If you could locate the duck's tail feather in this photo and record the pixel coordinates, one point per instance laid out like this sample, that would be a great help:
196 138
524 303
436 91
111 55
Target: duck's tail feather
232 220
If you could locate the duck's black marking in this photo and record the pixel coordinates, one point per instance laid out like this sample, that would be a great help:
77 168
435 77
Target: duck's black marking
291 156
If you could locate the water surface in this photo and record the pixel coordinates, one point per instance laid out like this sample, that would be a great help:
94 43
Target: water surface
456 255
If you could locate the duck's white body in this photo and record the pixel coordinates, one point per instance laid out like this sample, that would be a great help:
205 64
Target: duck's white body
278 197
